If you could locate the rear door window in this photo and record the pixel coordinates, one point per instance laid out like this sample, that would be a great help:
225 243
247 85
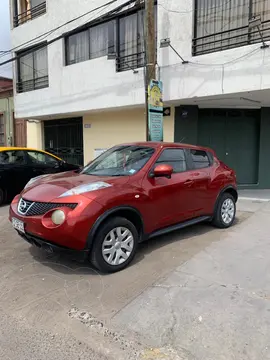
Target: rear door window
39 158
174 157
12 157
200 159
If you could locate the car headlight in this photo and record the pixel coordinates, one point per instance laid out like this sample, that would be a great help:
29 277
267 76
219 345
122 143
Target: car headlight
86 188
58 217
31 181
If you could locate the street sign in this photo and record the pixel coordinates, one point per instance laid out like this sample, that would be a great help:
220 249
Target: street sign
155 110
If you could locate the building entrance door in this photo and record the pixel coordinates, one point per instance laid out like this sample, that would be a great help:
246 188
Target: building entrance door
234 135
64 138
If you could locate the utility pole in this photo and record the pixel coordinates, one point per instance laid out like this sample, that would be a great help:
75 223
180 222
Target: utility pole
150 52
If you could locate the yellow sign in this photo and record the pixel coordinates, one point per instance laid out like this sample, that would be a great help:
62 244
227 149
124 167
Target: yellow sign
155 96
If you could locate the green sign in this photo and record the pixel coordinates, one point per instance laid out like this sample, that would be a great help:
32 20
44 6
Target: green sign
155 110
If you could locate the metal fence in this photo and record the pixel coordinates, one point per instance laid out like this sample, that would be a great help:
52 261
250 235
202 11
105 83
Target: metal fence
29 14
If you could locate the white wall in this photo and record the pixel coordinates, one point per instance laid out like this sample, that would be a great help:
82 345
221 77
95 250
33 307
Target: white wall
94 84
85 86
231 71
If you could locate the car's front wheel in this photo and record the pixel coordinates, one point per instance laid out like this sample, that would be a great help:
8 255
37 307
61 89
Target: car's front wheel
115 245
225 211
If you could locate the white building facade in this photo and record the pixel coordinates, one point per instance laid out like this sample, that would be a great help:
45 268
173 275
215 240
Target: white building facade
79 77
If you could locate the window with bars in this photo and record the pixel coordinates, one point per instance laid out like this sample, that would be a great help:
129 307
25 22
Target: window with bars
122 36
92 43
223 24
25 10
131 42
32 69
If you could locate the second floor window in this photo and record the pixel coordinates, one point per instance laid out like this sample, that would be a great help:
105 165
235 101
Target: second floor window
122 36
131 42
25 10
224 24
92 43
32 70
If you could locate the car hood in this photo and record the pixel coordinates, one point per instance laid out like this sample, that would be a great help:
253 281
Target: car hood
50 187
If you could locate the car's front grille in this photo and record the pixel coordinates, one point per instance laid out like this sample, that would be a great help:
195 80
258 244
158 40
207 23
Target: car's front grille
32 208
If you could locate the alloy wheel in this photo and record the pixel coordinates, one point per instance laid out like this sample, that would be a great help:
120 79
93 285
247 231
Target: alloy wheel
117 246
227 211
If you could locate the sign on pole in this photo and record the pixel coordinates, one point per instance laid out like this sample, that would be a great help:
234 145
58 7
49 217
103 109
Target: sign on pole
155 110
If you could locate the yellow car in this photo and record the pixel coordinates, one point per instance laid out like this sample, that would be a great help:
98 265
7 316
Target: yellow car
19 165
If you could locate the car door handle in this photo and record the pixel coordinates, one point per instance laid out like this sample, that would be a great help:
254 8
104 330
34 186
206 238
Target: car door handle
188 182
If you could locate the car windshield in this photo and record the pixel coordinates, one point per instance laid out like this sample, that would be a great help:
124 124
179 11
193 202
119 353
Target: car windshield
120 161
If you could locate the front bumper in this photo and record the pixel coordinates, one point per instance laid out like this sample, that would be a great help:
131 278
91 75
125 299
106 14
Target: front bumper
71 236
51 248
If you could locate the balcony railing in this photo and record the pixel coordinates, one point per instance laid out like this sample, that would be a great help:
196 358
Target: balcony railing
130 62
230 39
33 84
29 14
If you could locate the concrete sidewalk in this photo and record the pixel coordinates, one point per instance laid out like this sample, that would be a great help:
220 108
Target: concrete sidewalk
255 195
216 305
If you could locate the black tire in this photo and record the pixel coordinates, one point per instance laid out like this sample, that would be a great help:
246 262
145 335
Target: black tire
96 256
218 220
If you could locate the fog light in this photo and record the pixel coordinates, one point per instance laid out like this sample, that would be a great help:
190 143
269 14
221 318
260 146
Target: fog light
58 217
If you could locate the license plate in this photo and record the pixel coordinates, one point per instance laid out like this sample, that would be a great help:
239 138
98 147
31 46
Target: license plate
18 225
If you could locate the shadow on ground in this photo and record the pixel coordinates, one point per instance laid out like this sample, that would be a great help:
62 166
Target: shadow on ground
152 247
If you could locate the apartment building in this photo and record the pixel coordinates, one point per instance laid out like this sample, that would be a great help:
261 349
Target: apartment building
12 131
79 76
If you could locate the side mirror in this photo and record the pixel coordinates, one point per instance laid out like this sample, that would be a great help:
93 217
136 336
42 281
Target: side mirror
58 164
163 171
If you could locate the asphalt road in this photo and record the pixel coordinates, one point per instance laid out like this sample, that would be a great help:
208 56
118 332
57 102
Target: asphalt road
55 308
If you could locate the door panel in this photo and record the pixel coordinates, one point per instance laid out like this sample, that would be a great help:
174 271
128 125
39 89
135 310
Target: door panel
172 199
200 187
234 135
64 138
20 132
212 130
242 148
41 164
14 171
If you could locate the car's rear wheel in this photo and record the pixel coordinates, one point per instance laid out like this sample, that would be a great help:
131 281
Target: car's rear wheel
115 245
225 211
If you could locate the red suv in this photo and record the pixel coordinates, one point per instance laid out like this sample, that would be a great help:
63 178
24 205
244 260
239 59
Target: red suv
129 194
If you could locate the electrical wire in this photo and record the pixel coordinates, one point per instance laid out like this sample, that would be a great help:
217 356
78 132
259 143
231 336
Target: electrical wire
48 33
183 12
244 56
209 17
64 99
99 52
189 62
119 8
189 11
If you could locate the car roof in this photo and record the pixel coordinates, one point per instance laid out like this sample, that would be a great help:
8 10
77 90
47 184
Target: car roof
156 145
10 148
